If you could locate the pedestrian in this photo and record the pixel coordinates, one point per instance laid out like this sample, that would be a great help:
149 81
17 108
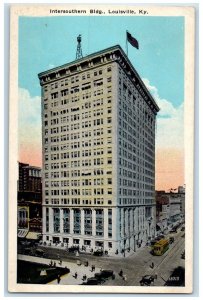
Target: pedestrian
121 273
84 277
124 277
76 275
54 264
152 265
58 278
93 268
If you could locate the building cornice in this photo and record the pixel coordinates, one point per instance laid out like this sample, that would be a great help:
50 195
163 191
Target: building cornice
112 54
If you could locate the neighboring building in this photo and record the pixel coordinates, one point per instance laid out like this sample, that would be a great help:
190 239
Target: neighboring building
181 192
175 207
169 208
30 178
98 136
29 201
162 211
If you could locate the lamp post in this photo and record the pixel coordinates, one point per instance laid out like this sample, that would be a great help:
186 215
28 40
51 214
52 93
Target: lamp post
149 222
134 242
124 242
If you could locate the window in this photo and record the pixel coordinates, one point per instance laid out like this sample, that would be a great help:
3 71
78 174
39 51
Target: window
64 92
109 160
54 95
109 120
109 180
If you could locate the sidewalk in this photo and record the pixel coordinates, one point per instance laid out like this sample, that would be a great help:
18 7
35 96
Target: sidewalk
67 278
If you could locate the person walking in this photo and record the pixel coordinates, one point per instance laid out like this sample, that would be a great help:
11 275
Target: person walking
124 277
58 278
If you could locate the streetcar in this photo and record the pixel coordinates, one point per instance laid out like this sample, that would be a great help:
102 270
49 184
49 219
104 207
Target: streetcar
160 247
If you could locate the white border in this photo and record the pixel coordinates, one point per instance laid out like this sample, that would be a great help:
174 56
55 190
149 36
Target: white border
200 106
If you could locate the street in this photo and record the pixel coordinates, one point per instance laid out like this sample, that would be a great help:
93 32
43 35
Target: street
134 267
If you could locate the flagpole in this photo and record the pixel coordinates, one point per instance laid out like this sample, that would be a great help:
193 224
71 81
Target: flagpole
126 43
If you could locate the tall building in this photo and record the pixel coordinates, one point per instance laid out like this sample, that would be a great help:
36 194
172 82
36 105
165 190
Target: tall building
30 178
29 198
98 136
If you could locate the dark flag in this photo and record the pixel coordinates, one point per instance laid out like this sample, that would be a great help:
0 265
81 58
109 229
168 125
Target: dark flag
132 40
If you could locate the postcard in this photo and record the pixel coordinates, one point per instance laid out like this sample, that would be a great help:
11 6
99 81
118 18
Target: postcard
101 140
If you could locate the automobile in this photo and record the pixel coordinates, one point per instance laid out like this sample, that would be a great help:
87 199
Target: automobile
106 273
40 253
171 239
147 280
91 281
99 277
73 249
174 230
26 251
98 253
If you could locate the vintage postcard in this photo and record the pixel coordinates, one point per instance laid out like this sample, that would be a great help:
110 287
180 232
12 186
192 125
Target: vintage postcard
101 149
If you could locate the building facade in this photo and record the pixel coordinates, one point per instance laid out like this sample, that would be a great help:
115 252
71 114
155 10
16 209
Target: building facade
29 200
169 208
30 178
162 211
98 136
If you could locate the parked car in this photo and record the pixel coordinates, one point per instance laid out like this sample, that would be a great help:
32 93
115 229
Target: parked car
174 230
171 240
106 273
147 280
99 278
91 281
40 253
98 253
73 249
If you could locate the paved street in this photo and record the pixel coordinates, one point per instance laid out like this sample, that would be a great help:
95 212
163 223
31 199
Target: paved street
134 266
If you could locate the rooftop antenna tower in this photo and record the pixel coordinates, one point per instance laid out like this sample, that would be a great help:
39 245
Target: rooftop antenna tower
79 47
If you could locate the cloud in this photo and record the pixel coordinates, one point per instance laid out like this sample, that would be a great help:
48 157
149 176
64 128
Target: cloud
170 121
29 118
51 66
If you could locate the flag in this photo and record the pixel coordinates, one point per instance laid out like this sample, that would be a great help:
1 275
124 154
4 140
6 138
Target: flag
132 40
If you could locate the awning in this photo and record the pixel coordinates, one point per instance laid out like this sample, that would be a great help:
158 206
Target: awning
22 233
33 235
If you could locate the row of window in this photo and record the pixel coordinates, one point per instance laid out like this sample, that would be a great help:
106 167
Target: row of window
78 201
77 78
97 181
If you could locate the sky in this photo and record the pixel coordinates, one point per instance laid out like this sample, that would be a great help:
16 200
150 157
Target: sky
48 42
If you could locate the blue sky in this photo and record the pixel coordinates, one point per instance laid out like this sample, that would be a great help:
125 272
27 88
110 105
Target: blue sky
48 42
